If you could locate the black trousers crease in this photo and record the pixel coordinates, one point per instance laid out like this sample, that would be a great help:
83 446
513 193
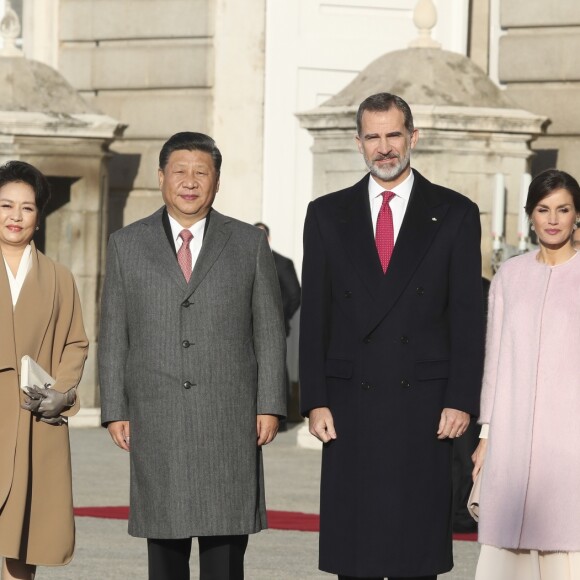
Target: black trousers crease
220 558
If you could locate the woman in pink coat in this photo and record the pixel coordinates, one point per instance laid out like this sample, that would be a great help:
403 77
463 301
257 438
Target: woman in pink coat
530 406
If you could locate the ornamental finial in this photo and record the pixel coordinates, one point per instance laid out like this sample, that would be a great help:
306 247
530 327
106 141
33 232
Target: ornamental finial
425 18
10 31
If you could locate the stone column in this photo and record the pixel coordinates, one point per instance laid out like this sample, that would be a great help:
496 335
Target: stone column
459 147
72 153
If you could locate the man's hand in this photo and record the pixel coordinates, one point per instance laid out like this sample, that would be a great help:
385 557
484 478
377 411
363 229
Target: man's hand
478 457
267 427
120 433
453 423
322 424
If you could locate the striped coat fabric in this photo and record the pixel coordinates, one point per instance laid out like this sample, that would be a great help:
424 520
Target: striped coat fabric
190 365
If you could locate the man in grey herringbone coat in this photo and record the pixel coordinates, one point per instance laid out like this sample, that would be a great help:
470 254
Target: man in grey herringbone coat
191 362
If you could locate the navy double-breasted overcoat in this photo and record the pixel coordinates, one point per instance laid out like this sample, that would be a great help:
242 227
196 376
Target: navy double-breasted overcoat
387 353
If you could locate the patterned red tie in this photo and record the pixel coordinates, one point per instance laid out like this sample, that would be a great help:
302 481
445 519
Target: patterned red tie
385 235
184 253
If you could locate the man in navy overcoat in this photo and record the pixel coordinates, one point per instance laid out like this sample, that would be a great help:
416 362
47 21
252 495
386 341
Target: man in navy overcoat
390 362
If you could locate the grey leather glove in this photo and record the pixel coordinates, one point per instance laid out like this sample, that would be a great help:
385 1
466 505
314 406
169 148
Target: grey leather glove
48 404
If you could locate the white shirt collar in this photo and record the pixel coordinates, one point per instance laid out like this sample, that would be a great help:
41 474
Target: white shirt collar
197 229
402 190
16 282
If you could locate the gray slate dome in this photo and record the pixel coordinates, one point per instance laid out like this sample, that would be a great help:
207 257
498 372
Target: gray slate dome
31 86
424 76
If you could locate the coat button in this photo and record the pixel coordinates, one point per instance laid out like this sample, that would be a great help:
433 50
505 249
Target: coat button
420 290
404 339
405 384
367 339
364 385
347 294
186 304
186 344
187 385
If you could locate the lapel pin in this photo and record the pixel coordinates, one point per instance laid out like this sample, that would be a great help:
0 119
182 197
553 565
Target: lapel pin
433 219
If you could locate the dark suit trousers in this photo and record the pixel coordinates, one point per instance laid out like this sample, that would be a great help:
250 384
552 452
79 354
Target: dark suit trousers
391 578
220 558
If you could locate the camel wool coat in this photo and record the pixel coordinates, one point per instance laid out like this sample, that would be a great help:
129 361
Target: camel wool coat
530 495
47 325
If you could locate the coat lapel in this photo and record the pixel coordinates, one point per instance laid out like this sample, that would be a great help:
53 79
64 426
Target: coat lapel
7 349
214 241
423 219
356 235
35 306
159 246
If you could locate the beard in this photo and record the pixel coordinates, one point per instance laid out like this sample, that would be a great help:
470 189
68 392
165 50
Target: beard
388 173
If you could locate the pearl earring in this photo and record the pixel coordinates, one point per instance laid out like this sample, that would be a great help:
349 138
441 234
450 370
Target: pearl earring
37 228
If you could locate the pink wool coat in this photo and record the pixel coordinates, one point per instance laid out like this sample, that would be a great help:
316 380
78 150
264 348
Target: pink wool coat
530 495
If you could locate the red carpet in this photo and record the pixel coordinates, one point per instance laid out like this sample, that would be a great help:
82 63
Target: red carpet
119 512
277 520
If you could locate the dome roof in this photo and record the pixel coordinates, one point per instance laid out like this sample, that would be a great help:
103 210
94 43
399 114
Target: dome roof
424 76
31 86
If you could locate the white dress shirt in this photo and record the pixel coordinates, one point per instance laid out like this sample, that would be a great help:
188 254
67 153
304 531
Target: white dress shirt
16 282
398 204
197 230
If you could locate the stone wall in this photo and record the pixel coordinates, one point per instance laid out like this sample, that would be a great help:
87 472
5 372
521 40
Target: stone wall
164 67
539 64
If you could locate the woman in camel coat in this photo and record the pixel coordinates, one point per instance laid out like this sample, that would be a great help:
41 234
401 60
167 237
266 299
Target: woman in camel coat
530 407
41 317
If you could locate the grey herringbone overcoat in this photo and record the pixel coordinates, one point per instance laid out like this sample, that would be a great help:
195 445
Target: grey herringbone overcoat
190 366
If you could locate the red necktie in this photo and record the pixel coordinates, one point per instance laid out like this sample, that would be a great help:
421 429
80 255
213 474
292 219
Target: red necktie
385 235
184 253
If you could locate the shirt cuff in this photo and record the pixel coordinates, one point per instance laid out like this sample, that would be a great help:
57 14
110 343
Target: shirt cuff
483 434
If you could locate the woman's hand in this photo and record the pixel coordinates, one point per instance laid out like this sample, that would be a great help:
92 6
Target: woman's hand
478 457
48 404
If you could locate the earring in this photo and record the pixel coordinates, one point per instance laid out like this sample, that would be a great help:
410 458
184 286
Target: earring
532 227
37 228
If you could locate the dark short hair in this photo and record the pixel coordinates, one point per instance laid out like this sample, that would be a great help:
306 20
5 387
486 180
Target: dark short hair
384 102
20 171
548 181
190 142
263 226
